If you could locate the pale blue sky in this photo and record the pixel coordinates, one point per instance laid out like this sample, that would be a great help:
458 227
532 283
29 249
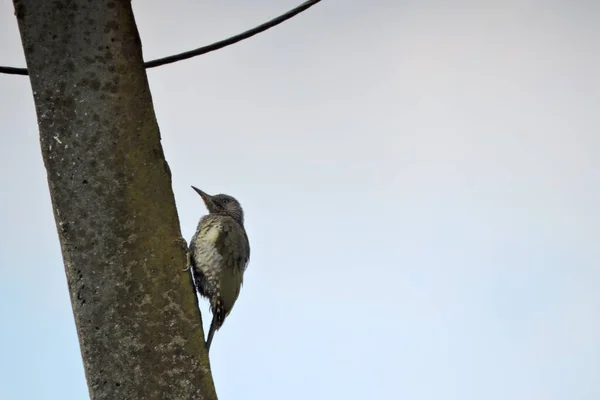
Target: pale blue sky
421 182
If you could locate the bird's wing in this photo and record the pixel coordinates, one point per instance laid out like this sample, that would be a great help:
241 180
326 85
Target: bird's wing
232 244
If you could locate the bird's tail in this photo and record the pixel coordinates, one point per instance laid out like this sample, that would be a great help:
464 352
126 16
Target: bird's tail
211 332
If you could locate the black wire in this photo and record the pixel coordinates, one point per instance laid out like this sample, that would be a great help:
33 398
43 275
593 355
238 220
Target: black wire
233 39
205 49
13 71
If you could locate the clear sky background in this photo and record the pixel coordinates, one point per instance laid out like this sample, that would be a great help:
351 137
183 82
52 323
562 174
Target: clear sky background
421 182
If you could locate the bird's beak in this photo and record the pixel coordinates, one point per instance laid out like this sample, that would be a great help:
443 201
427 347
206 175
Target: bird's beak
205 197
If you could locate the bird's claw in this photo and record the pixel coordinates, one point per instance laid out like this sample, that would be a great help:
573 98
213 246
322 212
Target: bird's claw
183 243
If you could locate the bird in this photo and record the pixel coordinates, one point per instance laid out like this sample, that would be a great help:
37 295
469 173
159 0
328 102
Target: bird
219 254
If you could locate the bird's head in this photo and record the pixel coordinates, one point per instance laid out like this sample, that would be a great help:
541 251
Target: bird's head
222 204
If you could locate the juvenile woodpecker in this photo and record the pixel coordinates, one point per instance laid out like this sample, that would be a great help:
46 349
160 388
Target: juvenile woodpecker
219 255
